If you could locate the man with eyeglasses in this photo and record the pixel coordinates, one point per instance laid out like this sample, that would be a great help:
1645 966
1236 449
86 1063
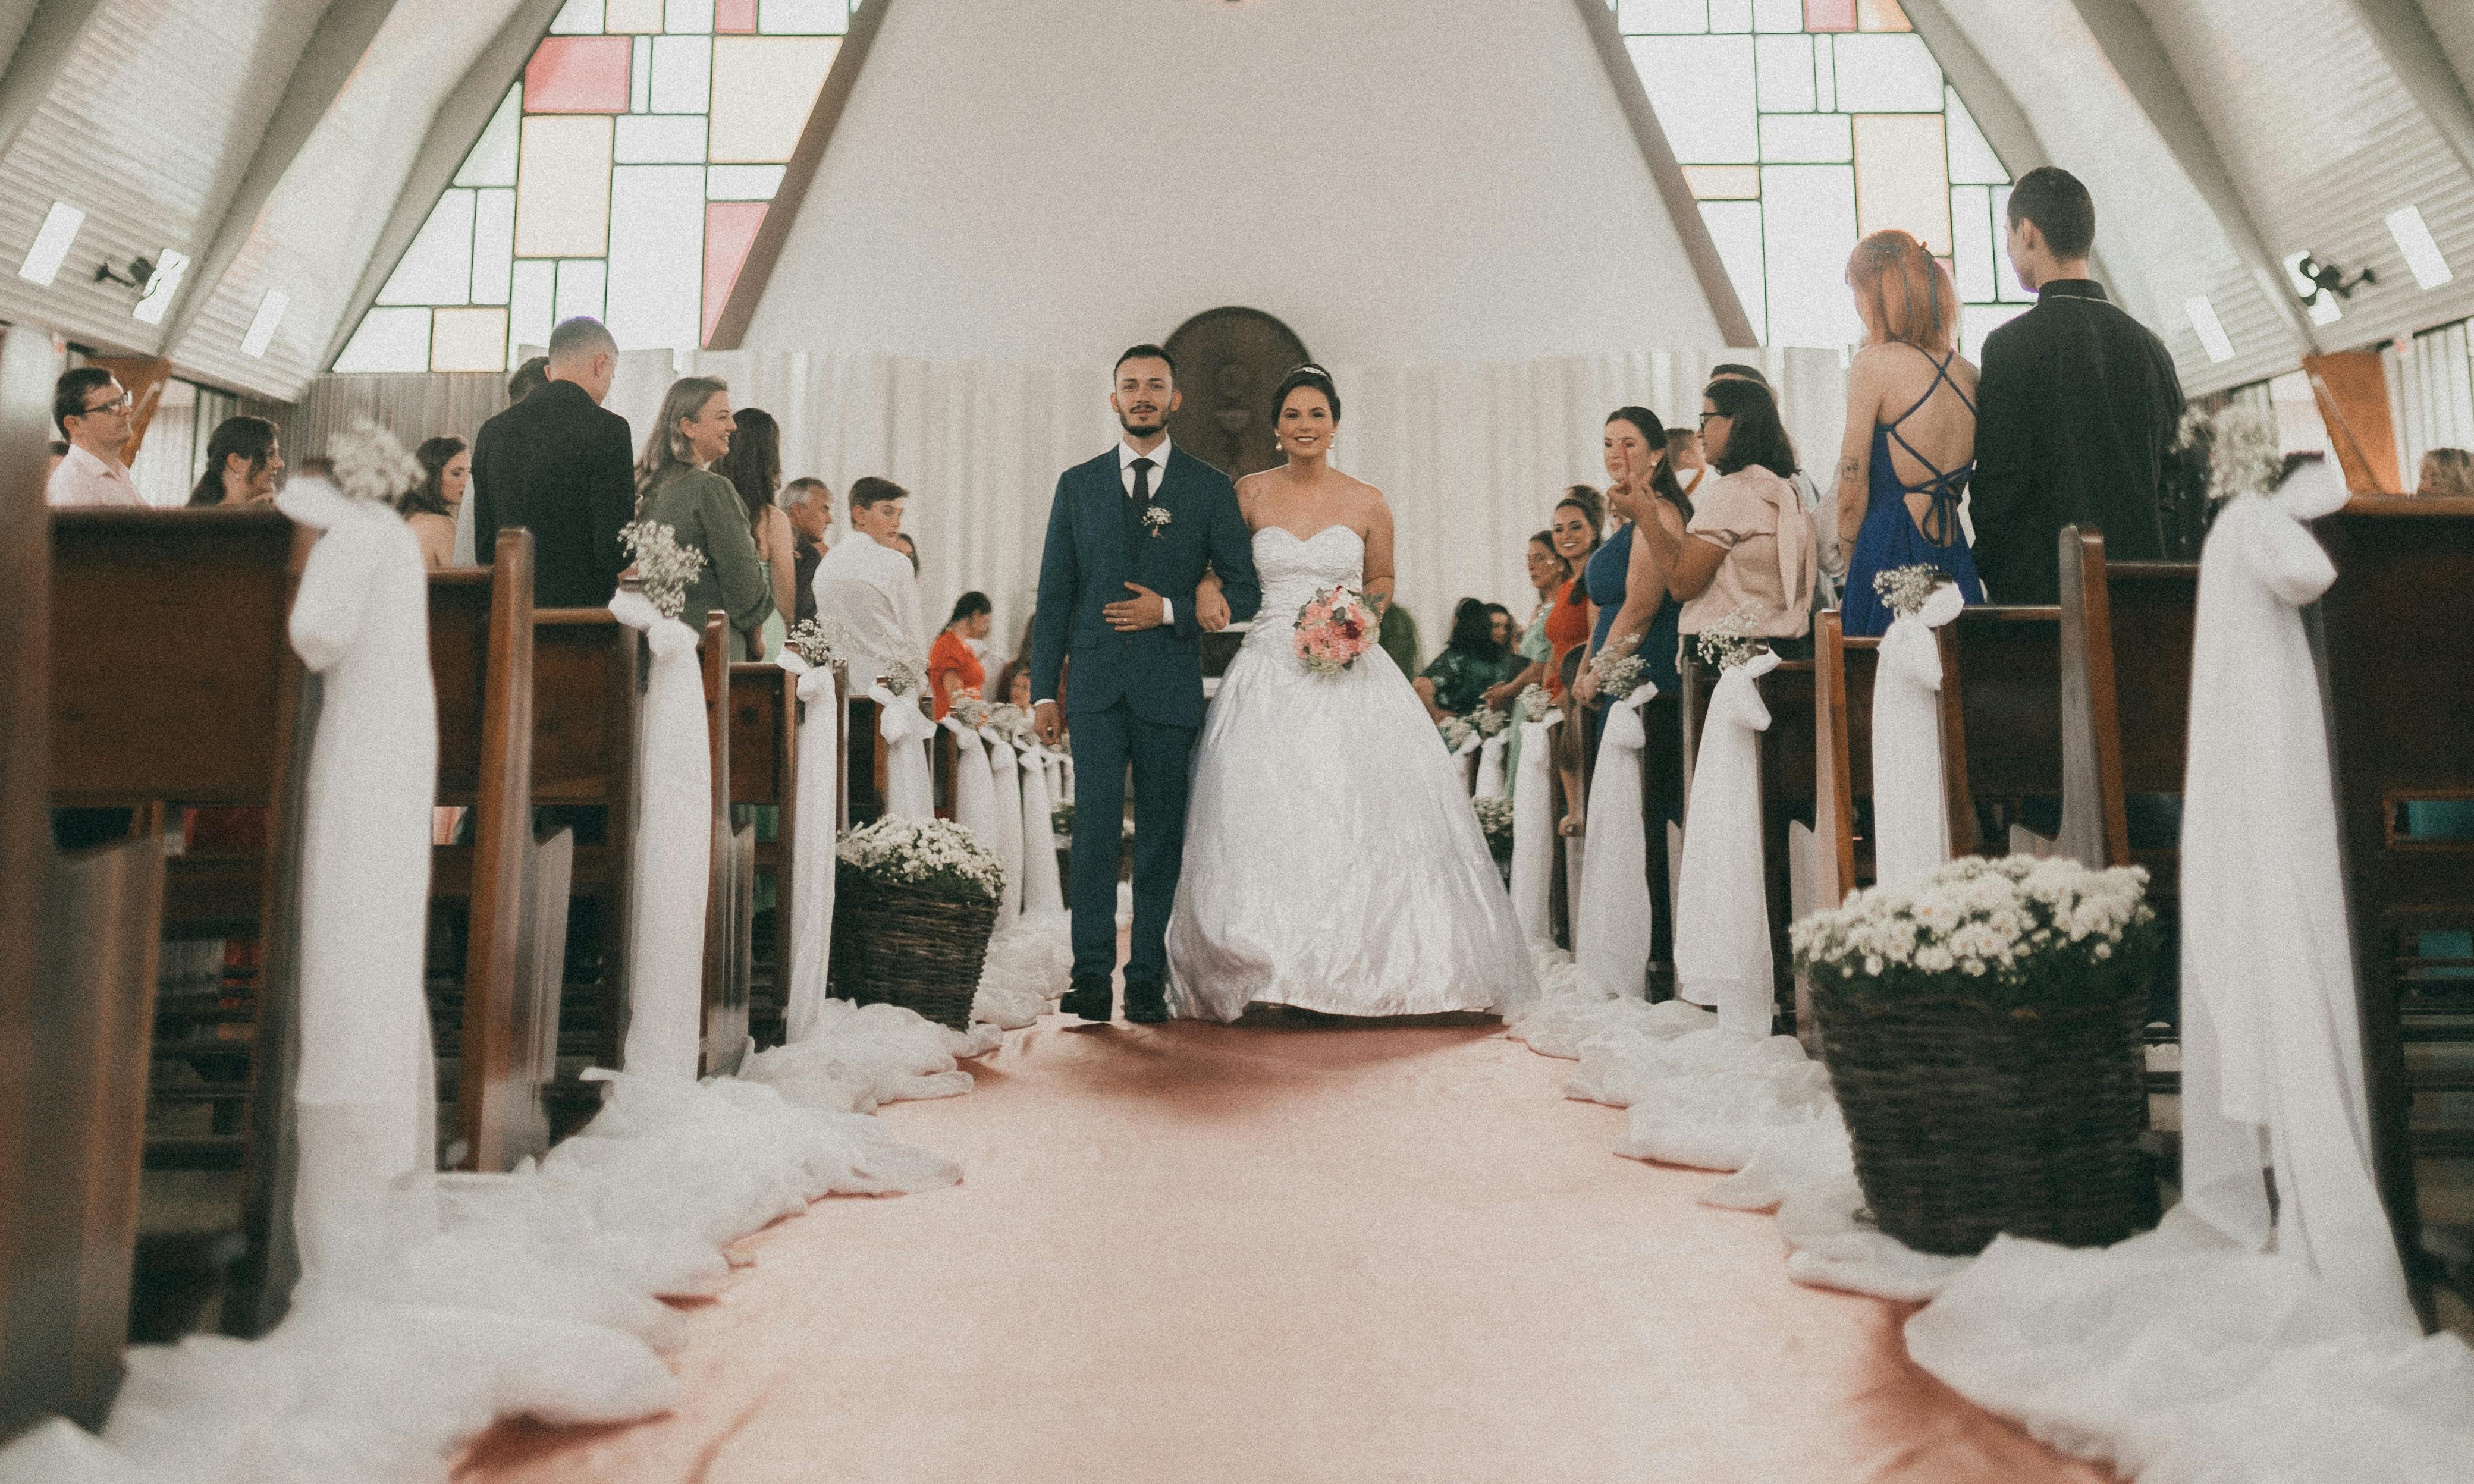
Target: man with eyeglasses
94 414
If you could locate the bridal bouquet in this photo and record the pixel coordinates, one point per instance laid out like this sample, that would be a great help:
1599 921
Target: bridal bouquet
663 568
1333 628
1905 589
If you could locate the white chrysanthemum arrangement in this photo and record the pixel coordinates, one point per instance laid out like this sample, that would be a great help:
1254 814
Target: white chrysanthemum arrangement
1456 731
2018 932
971 711
1905 589
2246 454
371 464
938 859
1489 721
823 646
663 568
1729 642
1494 818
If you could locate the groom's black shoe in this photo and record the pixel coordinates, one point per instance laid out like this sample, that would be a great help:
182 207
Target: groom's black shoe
1092 997
1145 1004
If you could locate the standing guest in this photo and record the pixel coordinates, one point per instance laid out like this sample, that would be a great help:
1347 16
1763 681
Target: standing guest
530 379
1455 685
560 464
429 507
1637 609
702 510
1749 544
2447 473
754 467
2078 410
1580 517
1820 507
954 667
94 412
1910 440
867 586
1505 630
811 508
58 450
1690 463
1548 572
244 460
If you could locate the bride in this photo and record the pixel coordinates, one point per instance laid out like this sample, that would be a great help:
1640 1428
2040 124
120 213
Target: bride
1332 860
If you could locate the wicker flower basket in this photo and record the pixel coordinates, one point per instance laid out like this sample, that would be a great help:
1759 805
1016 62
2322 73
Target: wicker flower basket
1969 1120
897 944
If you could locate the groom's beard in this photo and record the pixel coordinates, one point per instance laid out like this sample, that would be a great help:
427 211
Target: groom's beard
1152 423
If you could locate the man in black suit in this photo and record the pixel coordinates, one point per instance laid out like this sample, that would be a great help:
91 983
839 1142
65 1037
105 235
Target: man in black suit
562 467
2076 409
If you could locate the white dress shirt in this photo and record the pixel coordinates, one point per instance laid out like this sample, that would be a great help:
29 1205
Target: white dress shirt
84 479
871 591
1125 457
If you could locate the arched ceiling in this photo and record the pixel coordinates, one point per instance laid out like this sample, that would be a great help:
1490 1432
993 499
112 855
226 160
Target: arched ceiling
284 145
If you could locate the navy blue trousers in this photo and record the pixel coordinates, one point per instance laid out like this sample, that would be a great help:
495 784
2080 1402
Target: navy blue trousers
1162 756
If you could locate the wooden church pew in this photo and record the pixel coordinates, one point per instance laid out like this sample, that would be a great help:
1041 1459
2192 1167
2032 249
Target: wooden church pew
1788 759
1843 672
2398 675
764 772
506 1048
2001 730
77 942
730 891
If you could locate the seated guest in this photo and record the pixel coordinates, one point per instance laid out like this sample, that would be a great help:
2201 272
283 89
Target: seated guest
2077 411
244 460
867 585
703 511
1013 682
1548 572
954 667
1455 685
95 414
754 467
2446 472
1749 545
429 507
560 465
1911 440
1505 630
811 508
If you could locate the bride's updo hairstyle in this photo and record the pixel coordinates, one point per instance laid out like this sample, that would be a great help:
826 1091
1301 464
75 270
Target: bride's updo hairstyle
1307 375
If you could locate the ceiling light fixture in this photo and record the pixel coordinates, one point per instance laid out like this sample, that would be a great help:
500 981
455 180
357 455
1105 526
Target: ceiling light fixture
43 259
2210 329
2423 254
160 286
2324 308
2329 278
140 271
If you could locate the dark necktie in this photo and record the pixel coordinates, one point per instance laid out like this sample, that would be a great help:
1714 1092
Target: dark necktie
1141 498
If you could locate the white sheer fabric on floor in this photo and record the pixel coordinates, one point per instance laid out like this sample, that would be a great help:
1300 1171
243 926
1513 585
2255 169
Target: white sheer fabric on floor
673 850
1722 920
1910 812
809 911
1611 921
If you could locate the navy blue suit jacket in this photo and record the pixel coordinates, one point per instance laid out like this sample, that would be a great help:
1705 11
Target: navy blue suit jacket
1092 553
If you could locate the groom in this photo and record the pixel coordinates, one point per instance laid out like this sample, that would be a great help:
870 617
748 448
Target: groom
1129 536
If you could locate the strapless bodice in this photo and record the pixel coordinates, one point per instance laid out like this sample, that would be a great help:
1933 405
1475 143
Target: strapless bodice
1294 568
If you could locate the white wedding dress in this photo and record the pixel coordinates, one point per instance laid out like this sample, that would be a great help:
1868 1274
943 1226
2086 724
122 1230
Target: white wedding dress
1332 859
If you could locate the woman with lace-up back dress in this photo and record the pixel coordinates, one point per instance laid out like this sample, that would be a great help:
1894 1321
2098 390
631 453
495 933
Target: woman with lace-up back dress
1890 517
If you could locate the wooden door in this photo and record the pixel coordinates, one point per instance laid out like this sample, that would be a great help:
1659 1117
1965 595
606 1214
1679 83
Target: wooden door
1228 364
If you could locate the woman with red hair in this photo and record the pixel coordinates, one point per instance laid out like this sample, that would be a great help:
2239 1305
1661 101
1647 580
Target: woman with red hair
1910 444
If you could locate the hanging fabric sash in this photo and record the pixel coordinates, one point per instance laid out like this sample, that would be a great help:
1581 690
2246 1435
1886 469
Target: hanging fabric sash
673 850
974 793
1610 924
1491 782
906 729
1004 771
1910 814
1533 832
1043 893
808 947
1722 919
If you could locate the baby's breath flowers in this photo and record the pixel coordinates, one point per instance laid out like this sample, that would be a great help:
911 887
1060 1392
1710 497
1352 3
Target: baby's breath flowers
663 568
971 711
1489 721
1907 588
901 677
1494 818
1534 701
371 464
1729 642
1456 730
822 647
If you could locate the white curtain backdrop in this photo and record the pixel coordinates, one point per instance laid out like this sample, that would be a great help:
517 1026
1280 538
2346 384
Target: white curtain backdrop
1472 456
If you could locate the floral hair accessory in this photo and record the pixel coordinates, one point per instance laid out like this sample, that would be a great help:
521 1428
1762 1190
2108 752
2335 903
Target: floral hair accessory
1334 628
1907 588
1729 642
663 568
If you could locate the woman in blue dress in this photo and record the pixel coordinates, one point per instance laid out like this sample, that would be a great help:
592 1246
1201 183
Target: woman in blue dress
1910 444
1623 576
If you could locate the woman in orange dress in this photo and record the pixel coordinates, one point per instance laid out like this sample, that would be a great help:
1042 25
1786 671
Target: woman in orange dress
952 669
1579 518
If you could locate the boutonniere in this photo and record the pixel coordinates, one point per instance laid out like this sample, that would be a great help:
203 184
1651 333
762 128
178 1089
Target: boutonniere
1155 519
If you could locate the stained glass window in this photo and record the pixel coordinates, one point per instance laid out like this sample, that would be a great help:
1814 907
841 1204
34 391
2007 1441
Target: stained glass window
1801 126
624 176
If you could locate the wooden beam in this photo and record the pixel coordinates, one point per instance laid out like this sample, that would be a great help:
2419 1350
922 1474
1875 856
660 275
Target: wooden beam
51 34
747 291
455 129
1674 191
335 52
2414 52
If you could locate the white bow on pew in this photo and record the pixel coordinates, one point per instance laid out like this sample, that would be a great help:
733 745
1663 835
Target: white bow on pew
908 793
2271 1038
1611 926
1722 922
1910 814
1004 771
808 947
1533 831
1043 893
673 850
975 792
367 1098
1489 765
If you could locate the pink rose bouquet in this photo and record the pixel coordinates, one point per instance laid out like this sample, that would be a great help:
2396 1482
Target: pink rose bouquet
1333 628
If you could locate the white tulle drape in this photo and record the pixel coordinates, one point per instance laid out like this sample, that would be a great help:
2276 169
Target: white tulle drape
974 793
1722 922
1491 782
1611 925
1911 818
909 788
673 856
808 910
1533 832
1004 771
1469 455
1043 893
367 1091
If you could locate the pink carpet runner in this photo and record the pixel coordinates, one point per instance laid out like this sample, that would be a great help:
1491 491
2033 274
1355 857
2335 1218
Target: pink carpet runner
1269 1254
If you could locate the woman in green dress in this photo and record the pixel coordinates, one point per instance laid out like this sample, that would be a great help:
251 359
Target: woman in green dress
674 487
1548 572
